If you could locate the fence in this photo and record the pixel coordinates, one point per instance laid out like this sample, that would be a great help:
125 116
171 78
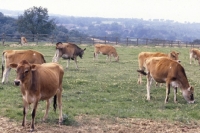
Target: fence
38 38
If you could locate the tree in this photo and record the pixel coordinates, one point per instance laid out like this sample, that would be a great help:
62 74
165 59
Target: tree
35 20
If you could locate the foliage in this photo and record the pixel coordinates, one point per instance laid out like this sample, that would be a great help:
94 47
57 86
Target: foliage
35 20
107 89
7 24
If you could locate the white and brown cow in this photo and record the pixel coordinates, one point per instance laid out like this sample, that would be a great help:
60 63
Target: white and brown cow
165 70
105 50
23 40
15 56
195 53
68 51
39 82
145 55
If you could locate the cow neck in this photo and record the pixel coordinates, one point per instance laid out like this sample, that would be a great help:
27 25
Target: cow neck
32 83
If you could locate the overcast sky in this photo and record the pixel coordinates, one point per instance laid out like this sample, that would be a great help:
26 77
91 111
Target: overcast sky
178 10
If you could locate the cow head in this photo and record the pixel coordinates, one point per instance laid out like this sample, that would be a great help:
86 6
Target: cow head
117 58
174 56
81 53
24 71
188 94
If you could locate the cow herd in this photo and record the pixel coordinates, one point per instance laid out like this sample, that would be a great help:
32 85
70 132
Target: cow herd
39 80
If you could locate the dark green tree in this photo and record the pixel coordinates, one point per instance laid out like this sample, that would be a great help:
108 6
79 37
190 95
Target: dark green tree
35 20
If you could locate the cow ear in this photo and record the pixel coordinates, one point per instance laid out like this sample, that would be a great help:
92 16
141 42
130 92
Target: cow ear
84 49
13 65
190 88
33 67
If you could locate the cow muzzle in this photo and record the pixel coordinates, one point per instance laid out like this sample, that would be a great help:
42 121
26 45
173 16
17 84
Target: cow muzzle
17 82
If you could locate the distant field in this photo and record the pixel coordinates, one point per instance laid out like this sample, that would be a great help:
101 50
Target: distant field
108 89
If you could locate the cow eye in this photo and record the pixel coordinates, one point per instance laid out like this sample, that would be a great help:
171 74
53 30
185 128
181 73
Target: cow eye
26 71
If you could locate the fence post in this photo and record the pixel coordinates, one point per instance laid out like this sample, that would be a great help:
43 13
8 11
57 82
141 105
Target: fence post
146 41
127 41
52 40
116 40
80 40
137 41
37 38
105 39
67 38
93 40
3 39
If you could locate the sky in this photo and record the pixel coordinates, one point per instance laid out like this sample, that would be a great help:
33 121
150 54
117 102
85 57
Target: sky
177 10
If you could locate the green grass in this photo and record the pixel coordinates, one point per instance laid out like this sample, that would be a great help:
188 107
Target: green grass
107 89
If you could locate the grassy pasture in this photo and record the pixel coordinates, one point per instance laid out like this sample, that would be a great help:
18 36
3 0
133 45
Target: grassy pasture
107 89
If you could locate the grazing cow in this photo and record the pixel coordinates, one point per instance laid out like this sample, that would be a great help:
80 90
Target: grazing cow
39 82
23 40
68 51
144 55
194 53
15 56
105 50
165 70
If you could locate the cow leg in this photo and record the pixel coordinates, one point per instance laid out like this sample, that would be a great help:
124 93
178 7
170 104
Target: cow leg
75 60
167 92
68 61
47 109
25 109
5 75
190 58
149 78
33 115
59 96
175 94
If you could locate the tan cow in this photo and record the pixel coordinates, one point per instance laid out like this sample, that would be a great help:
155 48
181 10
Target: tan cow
39 82
195 53
105 50
144 55
68 51
15 56
165 70
23 40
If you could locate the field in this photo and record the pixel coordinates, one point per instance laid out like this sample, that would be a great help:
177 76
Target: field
107 90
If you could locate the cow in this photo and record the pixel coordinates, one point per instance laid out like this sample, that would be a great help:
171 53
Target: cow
194 53
39 82
68 51
105 50
15 56
144 55
23 40
166 70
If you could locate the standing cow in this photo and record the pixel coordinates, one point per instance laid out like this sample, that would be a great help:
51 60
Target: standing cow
23 40
39 82
15 56
105 50
165 70
145 55
68 51
195 53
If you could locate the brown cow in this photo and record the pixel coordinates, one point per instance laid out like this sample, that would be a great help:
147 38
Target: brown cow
23 40
39 82
15 56
144 55
165 70
68 51
105 50
194 53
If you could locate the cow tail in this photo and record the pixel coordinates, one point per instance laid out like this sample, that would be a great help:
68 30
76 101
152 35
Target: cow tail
2 64
142 72
55 103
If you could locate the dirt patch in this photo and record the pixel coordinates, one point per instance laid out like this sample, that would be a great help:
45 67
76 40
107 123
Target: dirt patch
86 124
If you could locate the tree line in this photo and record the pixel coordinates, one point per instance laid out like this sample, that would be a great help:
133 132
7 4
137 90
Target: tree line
36 20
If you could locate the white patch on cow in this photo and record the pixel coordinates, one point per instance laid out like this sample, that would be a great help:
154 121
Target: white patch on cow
170 67
29 99
174 84
34 54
